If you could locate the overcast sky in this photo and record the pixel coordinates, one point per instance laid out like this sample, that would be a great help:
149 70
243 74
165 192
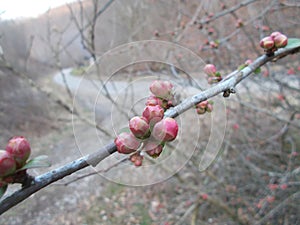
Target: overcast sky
11 9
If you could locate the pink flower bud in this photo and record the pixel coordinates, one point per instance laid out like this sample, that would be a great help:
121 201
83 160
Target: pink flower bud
138 162
280 41
153 100
239 23
126 143
153 149
169 104
165 130
137 159
267 43
210 69
204 196
202 104
291 71
283 186
211 31
209 108
153 114
7 163
270 199
273 186
200 110
214 44
259 205
274 34
19 148
162 89
248 62
139 127
236 126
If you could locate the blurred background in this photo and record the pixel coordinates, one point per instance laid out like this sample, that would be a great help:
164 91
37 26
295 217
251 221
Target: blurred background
68 84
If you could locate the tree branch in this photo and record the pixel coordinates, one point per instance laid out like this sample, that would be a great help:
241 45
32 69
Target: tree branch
227 11
102 10
229 82
93 159
44 180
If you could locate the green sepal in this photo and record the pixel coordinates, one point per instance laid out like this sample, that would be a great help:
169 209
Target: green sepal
241 67
218 74
37 162
124 130
257 71
293 43
3 190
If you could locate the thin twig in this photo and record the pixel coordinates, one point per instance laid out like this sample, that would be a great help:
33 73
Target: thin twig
227 11
102 10
278 208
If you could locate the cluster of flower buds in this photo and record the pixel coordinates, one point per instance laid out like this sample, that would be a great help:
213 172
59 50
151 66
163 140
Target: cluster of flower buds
213 76
137 159
273 42
13 158
204 106
149 132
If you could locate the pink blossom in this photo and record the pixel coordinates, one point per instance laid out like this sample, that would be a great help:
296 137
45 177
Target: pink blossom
162 89
267 43
275 33
291 71
204 196
137 159
280 41
283 186
126 143
20 149
210 69
153 100
139 127
153 114
7 163
153 149
165 130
